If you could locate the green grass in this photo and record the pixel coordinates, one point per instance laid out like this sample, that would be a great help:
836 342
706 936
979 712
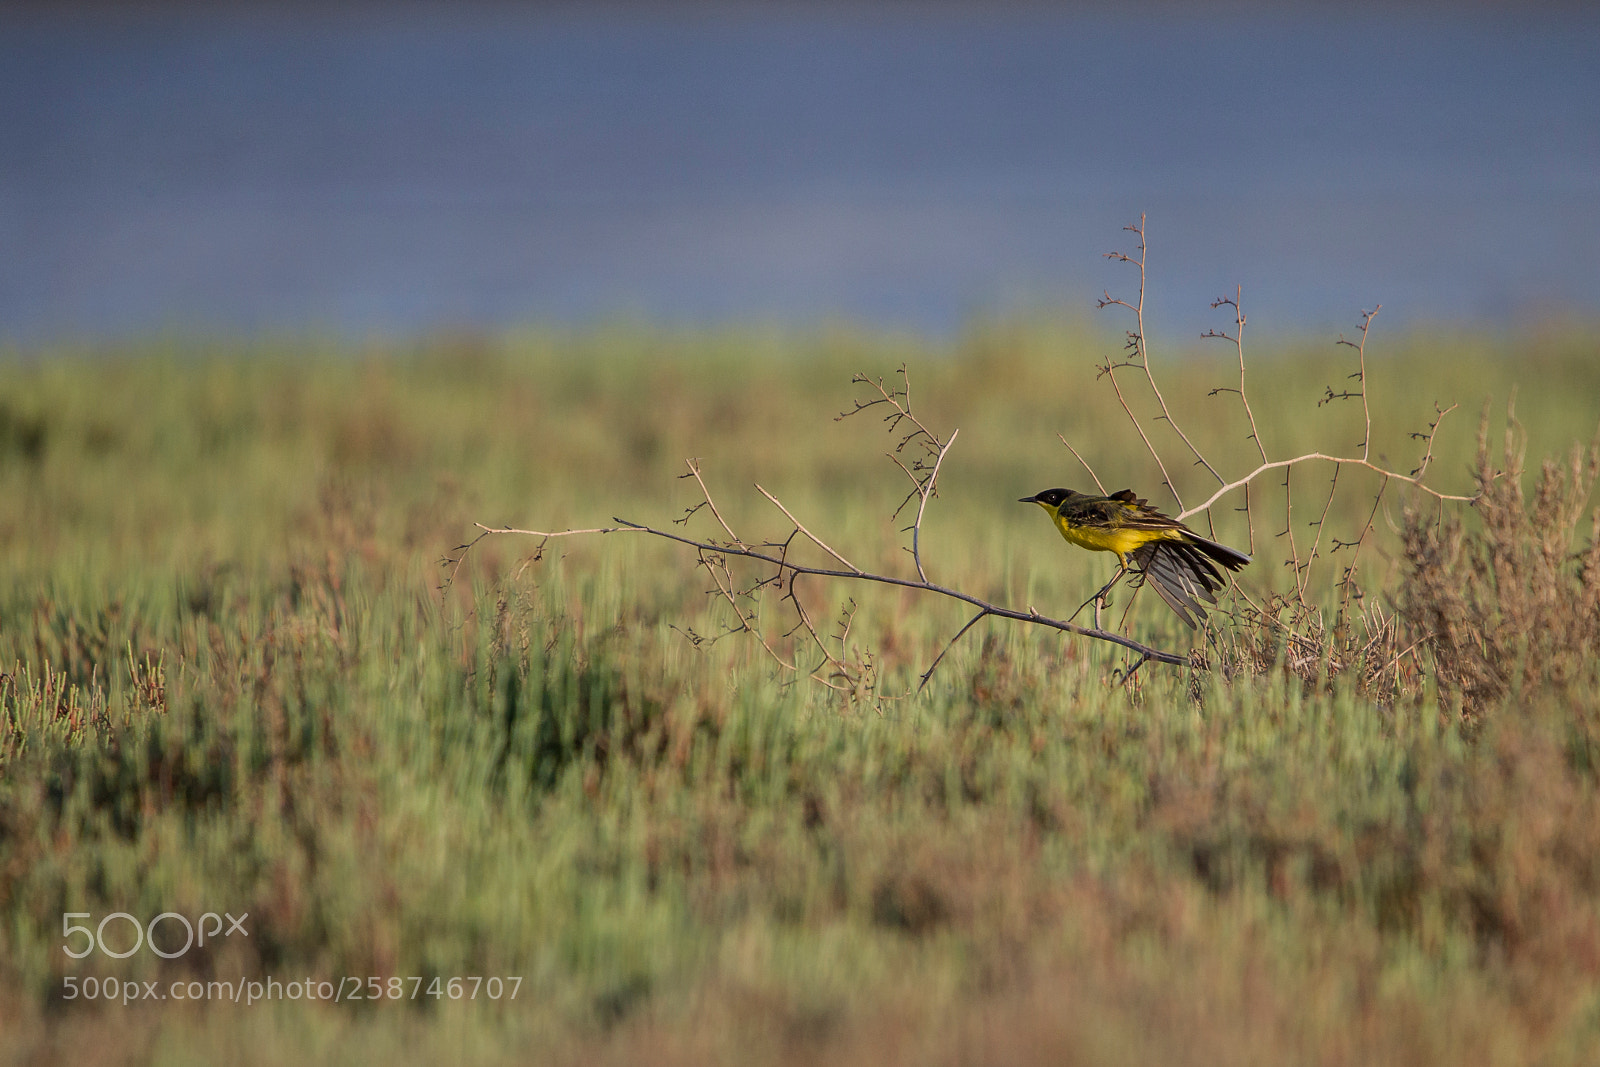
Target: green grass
230 682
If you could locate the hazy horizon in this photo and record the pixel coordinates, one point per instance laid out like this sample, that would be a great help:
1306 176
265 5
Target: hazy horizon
422 168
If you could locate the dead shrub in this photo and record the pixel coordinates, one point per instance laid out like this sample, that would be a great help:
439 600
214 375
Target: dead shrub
1513 603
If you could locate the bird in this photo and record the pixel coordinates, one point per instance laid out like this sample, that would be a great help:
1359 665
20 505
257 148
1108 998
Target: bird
1179 563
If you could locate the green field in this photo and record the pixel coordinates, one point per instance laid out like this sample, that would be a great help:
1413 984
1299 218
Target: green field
233 680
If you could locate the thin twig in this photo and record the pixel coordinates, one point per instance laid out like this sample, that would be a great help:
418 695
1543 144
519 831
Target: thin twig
1322 521
1433 431
1136 343
1348 582
1238 342
1288 530
1237 337
1361 374
542 533
1166 479
1308 457
1127 675
785 565
694 470
718 569
1140 345
840 669
931 587
927 491
1080 459
455 562
982 614
798 525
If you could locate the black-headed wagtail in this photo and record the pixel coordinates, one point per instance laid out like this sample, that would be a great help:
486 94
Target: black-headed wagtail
1178 562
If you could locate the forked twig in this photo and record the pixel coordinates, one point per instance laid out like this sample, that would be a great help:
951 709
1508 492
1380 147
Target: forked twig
798 525
1138 344
1303 612
1237 337
987 607
694 472
924 475
922 467
1349 461
714 557
1361 376
454 562
789 568
925 492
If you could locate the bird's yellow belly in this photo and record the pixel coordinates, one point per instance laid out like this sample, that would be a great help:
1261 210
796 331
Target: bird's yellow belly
1102 539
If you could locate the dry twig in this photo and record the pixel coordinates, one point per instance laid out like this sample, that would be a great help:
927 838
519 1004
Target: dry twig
1300 607
919 454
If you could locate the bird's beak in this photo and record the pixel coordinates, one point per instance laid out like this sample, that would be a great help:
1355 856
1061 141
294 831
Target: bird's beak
1027 500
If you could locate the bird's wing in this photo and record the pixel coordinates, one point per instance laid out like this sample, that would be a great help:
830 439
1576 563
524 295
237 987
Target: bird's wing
1180 575
1141 516
1172 593
1096 513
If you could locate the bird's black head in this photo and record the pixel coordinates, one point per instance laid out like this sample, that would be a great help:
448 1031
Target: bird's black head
1050 498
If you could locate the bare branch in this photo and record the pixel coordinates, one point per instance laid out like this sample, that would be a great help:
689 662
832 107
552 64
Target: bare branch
1136 344
840 670
1433 431
543 534
798 525
694 472
892 397
1238 341
786 566
1029 616
982 614
1308 457
1361 375
1085 463
1321 524
1139 344
454 562
717 567
1166 479
927 491
1349 578
1288 531
922 474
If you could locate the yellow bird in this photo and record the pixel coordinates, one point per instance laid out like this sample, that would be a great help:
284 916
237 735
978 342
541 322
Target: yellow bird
1178 562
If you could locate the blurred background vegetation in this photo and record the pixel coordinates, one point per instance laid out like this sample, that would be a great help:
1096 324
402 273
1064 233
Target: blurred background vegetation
232 678
240 673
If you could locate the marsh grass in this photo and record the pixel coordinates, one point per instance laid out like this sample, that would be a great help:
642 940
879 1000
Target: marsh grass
230 680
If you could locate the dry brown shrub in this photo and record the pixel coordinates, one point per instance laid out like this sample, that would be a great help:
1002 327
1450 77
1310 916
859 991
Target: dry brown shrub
1363 642
1513 603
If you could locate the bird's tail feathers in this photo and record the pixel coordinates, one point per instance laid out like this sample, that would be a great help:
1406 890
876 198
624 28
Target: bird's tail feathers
1230 558
1182 575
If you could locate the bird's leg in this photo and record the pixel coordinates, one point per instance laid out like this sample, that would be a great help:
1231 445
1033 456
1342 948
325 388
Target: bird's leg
1098 600
1100 597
